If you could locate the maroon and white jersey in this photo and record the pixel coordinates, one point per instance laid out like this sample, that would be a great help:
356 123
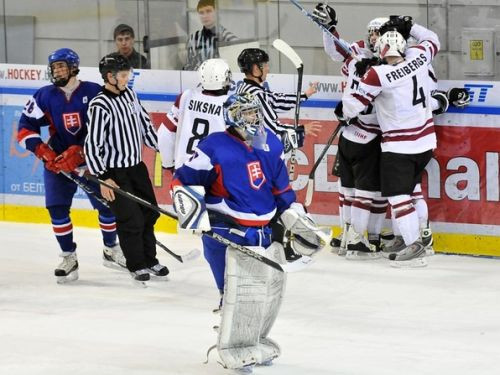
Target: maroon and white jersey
366 128
401 95
194 115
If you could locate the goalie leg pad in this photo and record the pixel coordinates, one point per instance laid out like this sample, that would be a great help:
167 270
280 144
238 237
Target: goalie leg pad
252 296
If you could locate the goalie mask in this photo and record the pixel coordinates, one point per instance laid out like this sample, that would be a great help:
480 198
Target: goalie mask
373 29
215 74
392 44
244 113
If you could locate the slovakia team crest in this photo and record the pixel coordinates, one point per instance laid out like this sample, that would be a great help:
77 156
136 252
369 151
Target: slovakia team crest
255 175
72 122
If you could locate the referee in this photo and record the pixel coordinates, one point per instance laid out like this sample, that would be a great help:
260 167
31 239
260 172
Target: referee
118 127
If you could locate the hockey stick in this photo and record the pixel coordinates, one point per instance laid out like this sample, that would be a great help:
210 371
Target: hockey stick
297 265
336 40
288 51
191 255
310 182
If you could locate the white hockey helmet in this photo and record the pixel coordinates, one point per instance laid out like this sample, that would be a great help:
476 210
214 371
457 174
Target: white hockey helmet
372 27
391 43
214 74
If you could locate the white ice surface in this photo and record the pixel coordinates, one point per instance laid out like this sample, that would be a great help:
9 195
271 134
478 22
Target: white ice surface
339 316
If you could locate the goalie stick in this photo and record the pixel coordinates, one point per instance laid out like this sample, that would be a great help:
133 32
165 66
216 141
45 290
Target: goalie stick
310 182
191 255
288 51
294 266
336 40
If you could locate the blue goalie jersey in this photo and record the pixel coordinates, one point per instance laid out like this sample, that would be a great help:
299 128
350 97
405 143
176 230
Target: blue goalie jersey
248 184
66 119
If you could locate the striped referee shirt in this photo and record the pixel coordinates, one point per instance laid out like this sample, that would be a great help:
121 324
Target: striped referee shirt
118 127
203 45
272 103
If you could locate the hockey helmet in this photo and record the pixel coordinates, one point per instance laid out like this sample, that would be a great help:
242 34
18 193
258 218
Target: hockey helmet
250 56
373 27
113 63
71 59
391 43
244 113
215 74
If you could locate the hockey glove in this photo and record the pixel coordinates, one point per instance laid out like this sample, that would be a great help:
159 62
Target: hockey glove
458 97
70 159
326 16
189 203
292 139
47 155
336 165
441 104
402 24
306 238
339 112
365 64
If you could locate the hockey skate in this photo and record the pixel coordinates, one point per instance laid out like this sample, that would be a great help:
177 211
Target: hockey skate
411 256
67 270
335 243
112 257
395 245
358 247
140 277
427 240
158 271
343 241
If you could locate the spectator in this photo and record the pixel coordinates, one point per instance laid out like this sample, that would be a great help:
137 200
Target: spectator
124 39
203 44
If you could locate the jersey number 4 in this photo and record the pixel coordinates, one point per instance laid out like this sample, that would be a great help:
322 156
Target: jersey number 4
200 130
418 93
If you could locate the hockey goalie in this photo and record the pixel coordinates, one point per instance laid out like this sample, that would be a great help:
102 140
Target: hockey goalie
236 185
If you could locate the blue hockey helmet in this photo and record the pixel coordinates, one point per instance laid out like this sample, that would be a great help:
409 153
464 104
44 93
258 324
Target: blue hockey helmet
71 59
244 113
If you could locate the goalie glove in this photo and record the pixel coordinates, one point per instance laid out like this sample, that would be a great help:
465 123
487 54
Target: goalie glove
458 97
325 15
306 238
189 203
441 103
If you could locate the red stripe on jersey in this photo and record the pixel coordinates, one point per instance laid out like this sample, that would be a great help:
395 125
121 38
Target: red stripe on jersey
434 48
401 204
277 192
217 189
405 212
362 99
361 206
410 130
170 125
361 43
107 226
413 137
371 78
24 133
251 223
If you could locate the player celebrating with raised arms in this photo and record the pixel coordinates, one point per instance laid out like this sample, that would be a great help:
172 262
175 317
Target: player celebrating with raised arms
63 107
361 205
400 91
240 176
195 114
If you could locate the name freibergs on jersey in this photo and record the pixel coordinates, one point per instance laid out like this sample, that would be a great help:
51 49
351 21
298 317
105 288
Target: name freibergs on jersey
407 69
204 107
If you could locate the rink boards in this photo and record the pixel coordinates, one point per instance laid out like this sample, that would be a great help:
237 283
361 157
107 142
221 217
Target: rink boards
461 185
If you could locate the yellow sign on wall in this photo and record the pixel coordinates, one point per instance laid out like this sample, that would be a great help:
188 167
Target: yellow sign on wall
476 50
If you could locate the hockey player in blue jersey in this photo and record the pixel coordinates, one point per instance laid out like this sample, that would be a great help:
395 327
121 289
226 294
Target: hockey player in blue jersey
240 177
62 107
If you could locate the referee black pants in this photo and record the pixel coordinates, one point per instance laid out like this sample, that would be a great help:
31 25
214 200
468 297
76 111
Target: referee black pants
134 222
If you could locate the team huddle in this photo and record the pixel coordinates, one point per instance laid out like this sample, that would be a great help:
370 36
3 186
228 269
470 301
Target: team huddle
230 183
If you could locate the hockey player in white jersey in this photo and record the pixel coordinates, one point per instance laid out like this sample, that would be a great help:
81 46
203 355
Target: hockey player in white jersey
195 114
400 91
361 205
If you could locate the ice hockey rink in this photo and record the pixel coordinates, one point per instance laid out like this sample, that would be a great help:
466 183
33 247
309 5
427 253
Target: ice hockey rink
338 317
